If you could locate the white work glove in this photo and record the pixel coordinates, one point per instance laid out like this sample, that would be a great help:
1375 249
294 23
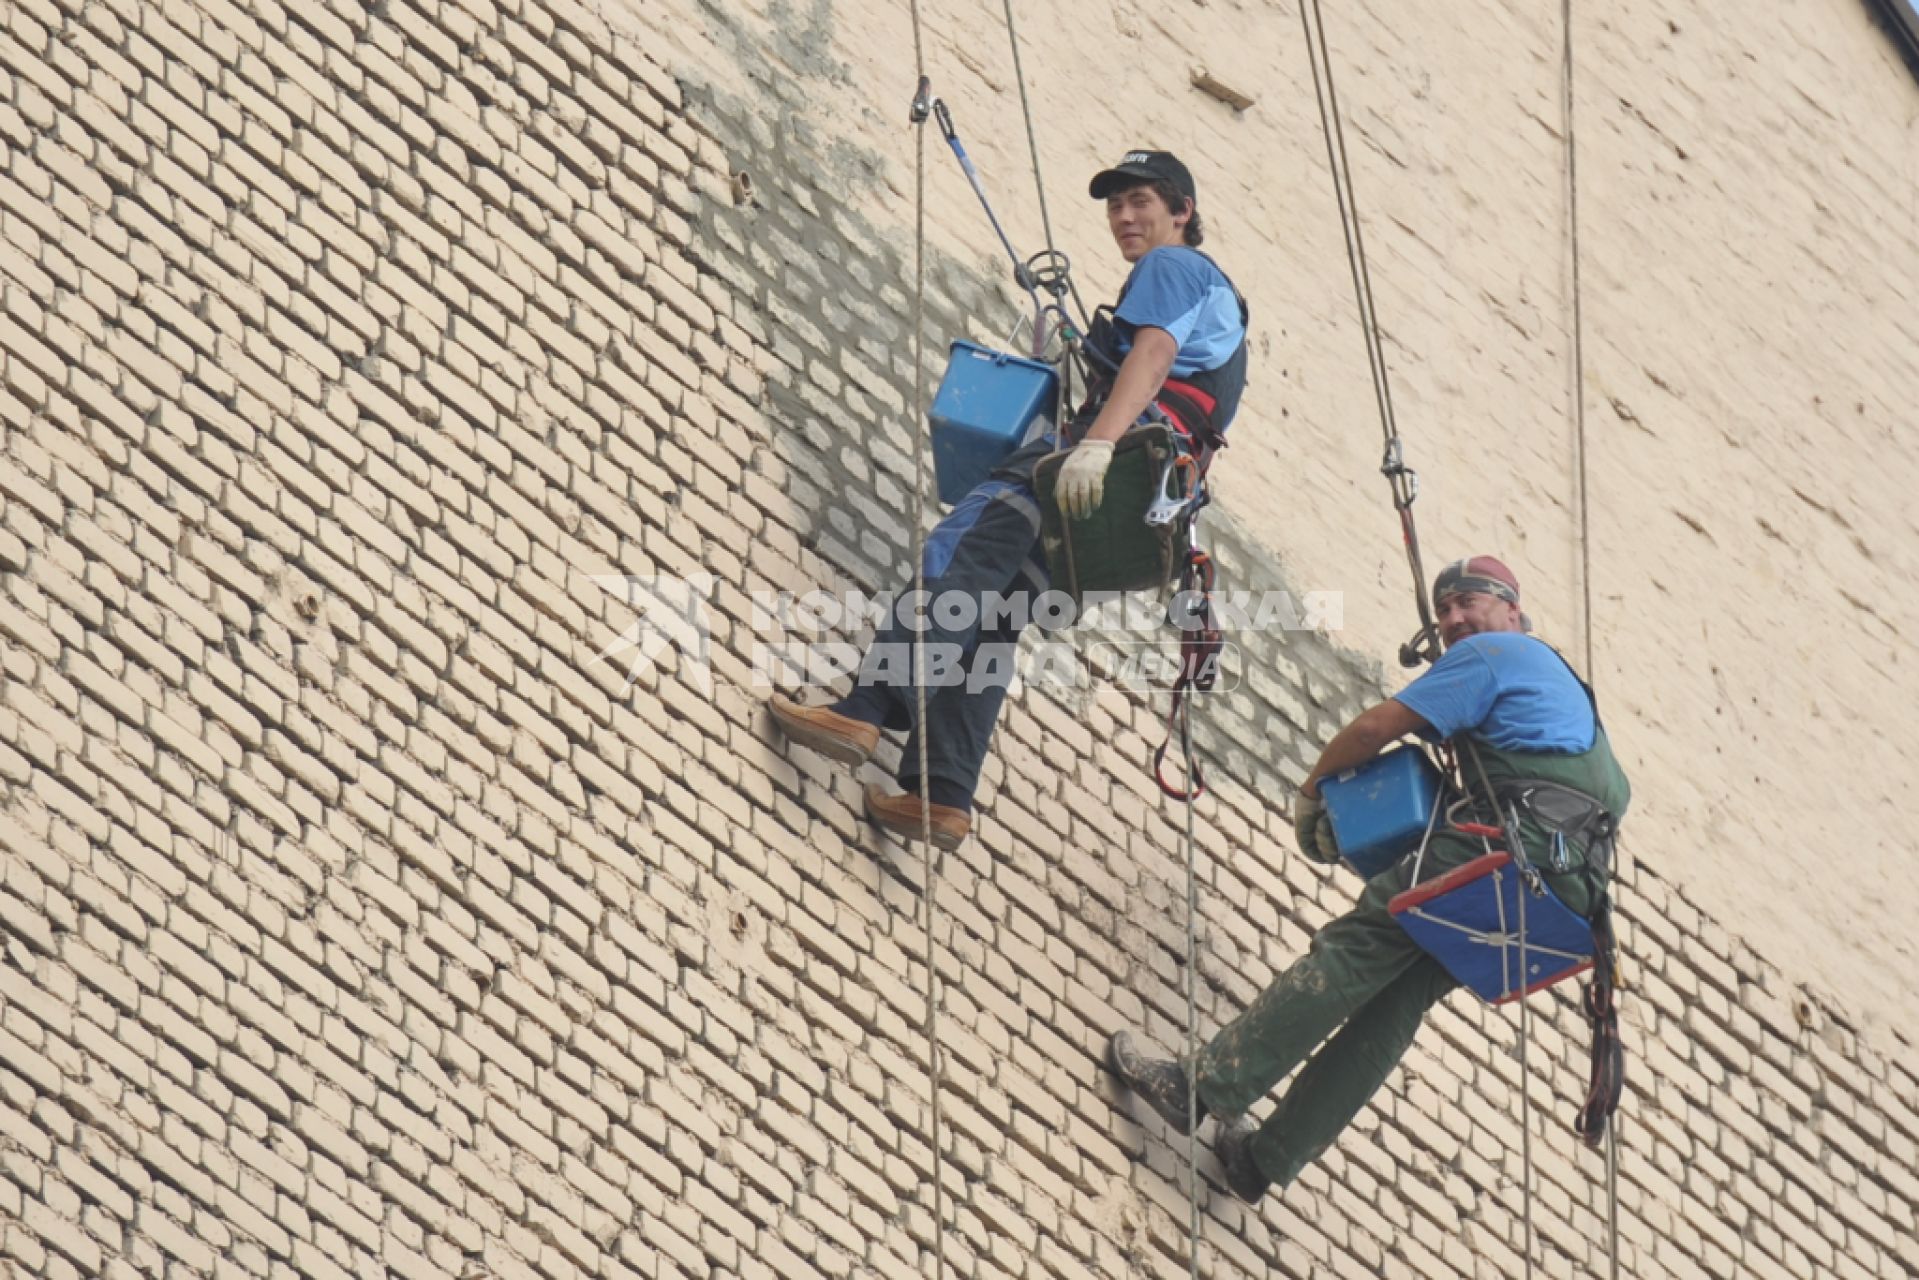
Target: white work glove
1082 480
1313 829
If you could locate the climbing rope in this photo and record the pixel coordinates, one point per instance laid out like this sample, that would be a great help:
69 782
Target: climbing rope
1197 659
1032 135
1054 274
1050 270
917 118
1403 480
1601 997
1193 786
1599 1002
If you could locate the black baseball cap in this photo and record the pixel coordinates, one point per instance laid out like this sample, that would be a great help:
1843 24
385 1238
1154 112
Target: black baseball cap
1136 167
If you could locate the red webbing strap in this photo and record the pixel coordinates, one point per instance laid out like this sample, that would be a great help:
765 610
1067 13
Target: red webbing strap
1199 646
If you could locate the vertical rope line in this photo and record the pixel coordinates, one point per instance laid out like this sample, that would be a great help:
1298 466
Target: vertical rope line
1569 97
1312 21
1192 997
1612 1196
919 668
1032 138
1525 1072
1327 96
1578 391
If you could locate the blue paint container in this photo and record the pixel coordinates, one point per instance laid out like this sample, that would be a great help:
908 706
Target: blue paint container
1380 810
986 404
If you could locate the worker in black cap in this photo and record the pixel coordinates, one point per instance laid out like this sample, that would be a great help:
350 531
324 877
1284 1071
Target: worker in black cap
1175 341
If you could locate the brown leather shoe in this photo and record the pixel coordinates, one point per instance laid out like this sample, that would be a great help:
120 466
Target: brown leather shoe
833 735
901 816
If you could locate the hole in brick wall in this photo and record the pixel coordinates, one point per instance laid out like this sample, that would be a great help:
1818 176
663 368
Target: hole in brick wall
742 187
739 924
308 607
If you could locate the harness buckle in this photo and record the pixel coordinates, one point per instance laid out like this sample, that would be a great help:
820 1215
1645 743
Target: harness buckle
1562 859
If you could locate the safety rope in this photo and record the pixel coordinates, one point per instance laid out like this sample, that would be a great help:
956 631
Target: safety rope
1608 1056
1403 480
1525 1066
1193 784
1032 135
1601 996
1054 274
1198 661
917 118
1051 271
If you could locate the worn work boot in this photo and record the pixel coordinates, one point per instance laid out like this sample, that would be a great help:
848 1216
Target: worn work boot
1233 1144
901 816
1161 1082
833 735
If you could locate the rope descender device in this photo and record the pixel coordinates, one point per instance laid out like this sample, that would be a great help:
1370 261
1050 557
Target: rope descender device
1424 645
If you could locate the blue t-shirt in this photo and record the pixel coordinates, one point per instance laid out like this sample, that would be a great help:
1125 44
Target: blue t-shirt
1510 690
1180 290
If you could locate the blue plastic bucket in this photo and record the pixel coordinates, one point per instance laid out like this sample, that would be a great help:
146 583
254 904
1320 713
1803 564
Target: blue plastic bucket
1380 810
986 404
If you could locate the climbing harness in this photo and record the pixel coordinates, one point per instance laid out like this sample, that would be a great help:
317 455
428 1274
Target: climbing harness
1126 551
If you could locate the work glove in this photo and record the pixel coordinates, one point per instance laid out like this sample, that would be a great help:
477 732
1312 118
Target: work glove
1313 829
1082 480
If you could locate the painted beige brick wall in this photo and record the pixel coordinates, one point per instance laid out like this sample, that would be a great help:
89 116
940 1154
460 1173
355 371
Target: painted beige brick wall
1750 239
359 920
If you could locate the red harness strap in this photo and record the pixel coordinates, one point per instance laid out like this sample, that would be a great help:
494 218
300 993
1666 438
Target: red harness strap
1190 410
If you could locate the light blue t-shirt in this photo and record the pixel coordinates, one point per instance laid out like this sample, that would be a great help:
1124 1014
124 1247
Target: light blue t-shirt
1510 690
1180 290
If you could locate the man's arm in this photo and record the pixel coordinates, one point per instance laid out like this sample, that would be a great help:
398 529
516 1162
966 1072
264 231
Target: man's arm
1370 733
1141 374
1082 480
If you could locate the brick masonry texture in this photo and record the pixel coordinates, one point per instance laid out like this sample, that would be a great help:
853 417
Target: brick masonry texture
360 918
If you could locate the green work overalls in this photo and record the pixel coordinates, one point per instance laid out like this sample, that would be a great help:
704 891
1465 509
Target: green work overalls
1367 984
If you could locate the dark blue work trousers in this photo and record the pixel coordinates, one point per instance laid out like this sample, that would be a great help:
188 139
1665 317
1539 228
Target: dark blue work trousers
986 550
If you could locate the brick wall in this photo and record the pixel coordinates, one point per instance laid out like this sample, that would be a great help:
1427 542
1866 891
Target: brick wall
360 917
